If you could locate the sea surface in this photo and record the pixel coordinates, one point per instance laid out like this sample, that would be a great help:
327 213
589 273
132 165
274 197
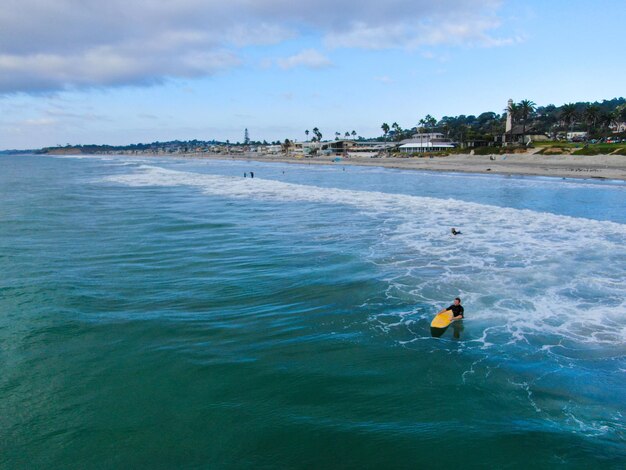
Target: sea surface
170 313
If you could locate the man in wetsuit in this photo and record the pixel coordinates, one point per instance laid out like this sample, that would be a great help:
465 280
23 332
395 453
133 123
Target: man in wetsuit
457 310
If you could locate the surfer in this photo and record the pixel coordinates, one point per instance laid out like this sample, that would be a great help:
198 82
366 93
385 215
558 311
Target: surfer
455 231
457 310
448 316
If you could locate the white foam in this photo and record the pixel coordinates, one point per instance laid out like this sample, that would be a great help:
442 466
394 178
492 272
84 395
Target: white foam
74 157
120 159
526 276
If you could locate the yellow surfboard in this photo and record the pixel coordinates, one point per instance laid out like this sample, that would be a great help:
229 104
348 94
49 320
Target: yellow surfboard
442 320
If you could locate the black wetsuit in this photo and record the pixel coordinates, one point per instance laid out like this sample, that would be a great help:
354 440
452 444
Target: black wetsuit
457 310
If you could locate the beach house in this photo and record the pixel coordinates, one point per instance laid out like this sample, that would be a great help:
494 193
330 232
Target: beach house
426 142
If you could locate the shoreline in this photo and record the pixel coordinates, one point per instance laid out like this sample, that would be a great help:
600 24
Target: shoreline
601 167
598 167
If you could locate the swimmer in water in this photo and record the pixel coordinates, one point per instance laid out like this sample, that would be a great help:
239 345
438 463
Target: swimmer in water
455 231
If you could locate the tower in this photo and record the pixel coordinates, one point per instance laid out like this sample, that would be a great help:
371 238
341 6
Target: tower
509 117
246 137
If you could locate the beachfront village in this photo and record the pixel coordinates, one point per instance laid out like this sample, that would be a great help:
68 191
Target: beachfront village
574 128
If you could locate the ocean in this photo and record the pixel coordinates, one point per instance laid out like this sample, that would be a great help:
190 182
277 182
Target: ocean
170 313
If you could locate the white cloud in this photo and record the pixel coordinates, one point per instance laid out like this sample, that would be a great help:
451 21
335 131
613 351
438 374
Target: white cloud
42 122
54 45
457 27
103 67
307 58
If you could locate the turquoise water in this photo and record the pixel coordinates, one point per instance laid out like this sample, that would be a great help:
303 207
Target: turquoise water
171 314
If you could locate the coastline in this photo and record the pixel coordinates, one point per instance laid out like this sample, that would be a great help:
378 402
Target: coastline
609 167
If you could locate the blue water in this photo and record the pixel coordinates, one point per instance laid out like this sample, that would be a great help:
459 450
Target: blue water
169 313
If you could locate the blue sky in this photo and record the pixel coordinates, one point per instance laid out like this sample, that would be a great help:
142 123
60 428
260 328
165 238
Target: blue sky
122 72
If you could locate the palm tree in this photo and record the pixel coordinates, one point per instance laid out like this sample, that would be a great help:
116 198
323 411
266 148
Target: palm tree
385 127
307 133
608 118
397 129
568 116
353 133
526 108
429 121
513 110
591 113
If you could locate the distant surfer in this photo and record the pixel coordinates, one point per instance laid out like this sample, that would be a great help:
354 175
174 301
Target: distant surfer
455 231
252 174
457 310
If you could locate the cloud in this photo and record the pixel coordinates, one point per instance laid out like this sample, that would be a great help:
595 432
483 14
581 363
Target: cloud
104 67
63 44
42 122
462 26
70 116
307 58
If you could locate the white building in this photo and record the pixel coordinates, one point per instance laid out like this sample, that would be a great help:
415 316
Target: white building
576 135
619 127
421 147
427 142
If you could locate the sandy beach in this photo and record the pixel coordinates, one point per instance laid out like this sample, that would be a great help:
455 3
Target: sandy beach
561 166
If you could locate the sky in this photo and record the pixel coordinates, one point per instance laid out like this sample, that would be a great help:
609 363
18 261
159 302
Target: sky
128 71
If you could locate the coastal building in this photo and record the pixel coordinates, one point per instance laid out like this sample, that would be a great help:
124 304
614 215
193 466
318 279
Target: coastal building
423 147
576 136
272 149
337 147
362 148
476 143
365 148
517 135
618 127
426 142
521 136
310 148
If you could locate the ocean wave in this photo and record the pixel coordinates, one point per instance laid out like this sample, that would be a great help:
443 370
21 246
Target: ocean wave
526 276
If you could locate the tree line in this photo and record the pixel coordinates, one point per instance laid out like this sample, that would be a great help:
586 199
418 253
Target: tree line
596 118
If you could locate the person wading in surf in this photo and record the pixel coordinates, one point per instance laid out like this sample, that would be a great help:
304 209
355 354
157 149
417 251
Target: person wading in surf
458 313
457 310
